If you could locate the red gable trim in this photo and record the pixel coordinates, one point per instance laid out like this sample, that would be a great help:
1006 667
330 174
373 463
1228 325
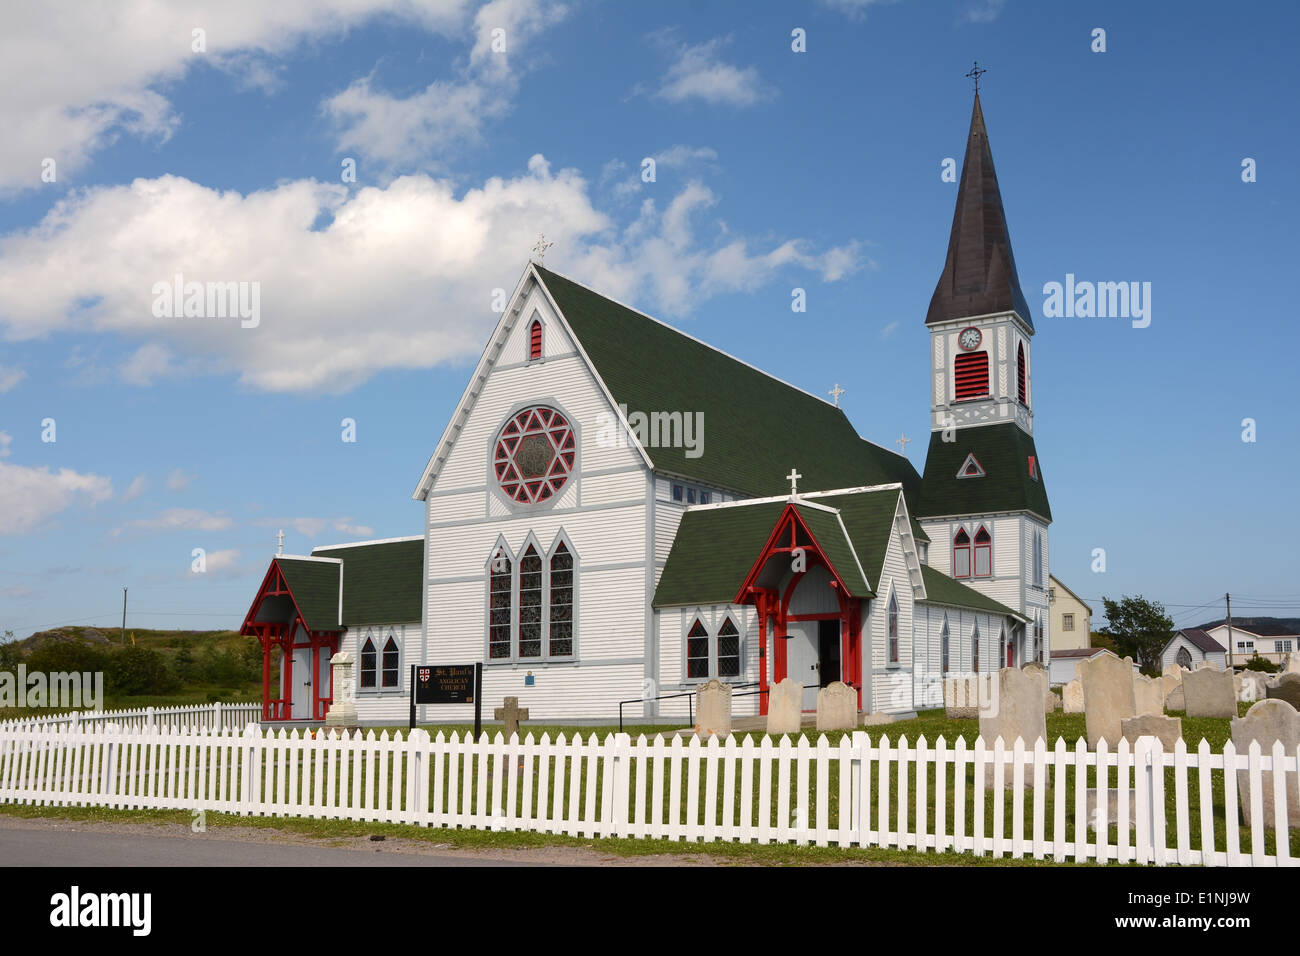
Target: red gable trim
250 625
772 547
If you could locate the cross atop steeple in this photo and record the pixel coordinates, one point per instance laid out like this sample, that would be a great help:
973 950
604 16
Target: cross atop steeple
975 75
540 247
279 547
836 392
794 477
902 441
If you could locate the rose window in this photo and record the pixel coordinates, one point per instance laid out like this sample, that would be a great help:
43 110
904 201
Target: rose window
534 455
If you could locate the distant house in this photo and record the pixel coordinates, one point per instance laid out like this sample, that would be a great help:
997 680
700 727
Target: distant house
1064 663
1189 647
1246 644
1071 619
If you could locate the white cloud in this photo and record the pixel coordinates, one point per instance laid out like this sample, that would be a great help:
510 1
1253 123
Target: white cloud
30 496
217 562
448 113
10 377
112 58
312 527
855 8
402 277
889 329
697 72
983 11
139 484
180 519
178 481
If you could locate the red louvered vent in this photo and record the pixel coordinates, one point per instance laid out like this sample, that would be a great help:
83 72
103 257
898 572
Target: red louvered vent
1020 374
971 372
535 340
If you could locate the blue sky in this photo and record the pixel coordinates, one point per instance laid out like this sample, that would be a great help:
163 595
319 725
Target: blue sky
775 170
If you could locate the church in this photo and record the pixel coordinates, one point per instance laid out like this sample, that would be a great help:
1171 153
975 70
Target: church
605 524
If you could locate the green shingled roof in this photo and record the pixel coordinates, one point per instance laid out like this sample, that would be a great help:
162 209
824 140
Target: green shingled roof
755 426
381 582
716 547
941 589
1003 451
713 551
315 587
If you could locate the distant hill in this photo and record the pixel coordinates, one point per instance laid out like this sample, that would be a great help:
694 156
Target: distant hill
1265 626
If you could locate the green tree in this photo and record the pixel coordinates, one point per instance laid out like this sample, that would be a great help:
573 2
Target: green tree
1139 629
138 670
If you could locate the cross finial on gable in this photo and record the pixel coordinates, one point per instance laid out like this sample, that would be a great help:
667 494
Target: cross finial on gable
835 393
794 477
902 441
279 547
540 247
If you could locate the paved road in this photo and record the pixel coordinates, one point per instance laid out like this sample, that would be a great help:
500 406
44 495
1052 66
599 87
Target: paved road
48 847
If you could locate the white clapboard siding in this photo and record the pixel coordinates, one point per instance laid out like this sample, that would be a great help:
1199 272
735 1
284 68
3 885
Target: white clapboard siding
853 793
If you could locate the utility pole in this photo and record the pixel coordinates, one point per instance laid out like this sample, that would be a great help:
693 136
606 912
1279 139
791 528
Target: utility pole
1228 598
123 617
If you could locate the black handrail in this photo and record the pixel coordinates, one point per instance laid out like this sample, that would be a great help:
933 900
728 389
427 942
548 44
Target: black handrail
690 706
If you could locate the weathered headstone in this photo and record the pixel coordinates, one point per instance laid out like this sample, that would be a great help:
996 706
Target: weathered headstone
1107 695
1148 695
1249 686
1176 699
876 719
1209 693
1266 722
1168 684
1168 729
343 709
510 715
1172 670
784 707
1039 673
837 707
1072 694
713 708
1286 688
1293 663
1018 713
961 697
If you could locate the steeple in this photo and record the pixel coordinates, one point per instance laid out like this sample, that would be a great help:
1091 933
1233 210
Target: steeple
979 276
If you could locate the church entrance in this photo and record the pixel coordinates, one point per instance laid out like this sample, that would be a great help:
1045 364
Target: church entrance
813 654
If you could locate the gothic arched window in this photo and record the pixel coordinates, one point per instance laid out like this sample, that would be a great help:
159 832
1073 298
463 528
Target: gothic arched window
961 554
728 650
1183 658
1021 392
368 664
975 648
392 669
697 650
535 340
892 628
561 621
500 605
530 603
943 646
983 553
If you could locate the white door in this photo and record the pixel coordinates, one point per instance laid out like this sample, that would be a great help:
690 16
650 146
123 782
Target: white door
302 681
801 660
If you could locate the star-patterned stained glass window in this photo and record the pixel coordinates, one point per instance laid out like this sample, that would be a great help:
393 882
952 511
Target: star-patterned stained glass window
534 455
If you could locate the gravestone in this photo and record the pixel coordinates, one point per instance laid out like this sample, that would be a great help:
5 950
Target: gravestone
1072 695
1107 696
1287 688
1293 663
1266 722
837 707
1168 684
1039 673
1172 670
1249 686
785 707
510 715
961 697
1148 695
1168 729
876 719
713 708
343 709
1176 699
1018 713
1209 693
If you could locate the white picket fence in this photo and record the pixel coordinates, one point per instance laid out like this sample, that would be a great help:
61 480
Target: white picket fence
215 716
929 798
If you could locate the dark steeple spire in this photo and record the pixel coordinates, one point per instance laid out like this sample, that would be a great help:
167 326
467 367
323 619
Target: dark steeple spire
979 275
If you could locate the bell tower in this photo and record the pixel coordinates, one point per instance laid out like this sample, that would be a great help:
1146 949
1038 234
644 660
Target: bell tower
983 502
980 325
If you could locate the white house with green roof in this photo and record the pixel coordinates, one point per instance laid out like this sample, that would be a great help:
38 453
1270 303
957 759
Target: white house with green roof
616 512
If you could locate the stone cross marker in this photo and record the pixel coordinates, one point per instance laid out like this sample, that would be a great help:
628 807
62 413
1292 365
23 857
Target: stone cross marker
511 714
343 709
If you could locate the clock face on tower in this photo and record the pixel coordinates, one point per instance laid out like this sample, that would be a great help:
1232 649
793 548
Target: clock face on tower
969 338
534 454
